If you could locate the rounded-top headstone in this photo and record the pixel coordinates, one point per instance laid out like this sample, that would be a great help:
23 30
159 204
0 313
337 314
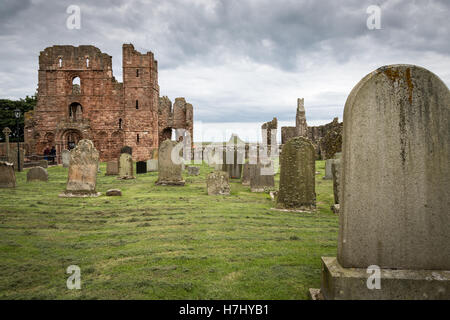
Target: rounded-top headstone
396 171
126 149
37 174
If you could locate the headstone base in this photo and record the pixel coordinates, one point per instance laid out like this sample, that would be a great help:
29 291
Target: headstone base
170 183
67 194
339 283
126 178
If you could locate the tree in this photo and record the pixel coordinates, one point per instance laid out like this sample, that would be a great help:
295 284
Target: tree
8 119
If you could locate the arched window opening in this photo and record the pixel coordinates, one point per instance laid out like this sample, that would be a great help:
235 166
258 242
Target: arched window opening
120 123
76 85
60 62
137 104
87 62
137 72
75 111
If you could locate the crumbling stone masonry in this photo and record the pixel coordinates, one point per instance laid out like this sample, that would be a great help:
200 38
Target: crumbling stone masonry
79 98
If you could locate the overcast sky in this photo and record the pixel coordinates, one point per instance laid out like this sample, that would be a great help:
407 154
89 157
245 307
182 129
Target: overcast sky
240 63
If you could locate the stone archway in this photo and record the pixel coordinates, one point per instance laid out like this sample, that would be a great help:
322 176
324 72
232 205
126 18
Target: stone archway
70 138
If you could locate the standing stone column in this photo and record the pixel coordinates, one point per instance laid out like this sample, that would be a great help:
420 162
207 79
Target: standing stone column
82 176
395 196
6 131
297 175
169 172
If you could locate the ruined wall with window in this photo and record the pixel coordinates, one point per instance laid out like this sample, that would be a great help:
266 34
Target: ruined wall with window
177 116
79 98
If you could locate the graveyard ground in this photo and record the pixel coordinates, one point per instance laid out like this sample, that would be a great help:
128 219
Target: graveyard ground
160 242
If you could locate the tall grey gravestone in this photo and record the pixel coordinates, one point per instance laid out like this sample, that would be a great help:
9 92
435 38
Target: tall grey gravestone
297 175
169 171
65 158
82 176
7 175
125 166
395 196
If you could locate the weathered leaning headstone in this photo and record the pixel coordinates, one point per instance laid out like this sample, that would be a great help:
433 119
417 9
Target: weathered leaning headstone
169 172
125 166
217 183
37 174
152 165
297 175
7 175
395 196
65 158
82 176
141 167
112 168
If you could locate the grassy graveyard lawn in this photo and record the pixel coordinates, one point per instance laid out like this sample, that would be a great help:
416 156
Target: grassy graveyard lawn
160 242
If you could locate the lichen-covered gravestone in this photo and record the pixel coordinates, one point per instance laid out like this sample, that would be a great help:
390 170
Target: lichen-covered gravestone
125 166
328 164
112 168
169 171
217 183
297 175
7 175
65 158
37 174
82 176
395 196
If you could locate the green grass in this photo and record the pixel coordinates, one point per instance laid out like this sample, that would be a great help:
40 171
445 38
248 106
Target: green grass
159 242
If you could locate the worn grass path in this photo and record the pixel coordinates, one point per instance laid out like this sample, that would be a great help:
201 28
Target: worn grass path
160 242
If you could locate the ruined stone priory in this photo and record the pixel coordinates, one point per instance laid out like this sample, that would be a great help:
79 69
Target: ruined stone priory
83 168
79 98
297 176
395 188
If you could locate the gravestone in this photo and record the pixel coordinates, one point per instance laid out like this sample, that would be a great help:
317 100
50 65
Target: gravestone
261 177
217 183
152 165
126 149
82 176
43 164
37 174
125 167
7 175
328 164
395 189
335 171
13 157
65 158
193 170
112 168
233 159
297 175
169 172
246 174
141 167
